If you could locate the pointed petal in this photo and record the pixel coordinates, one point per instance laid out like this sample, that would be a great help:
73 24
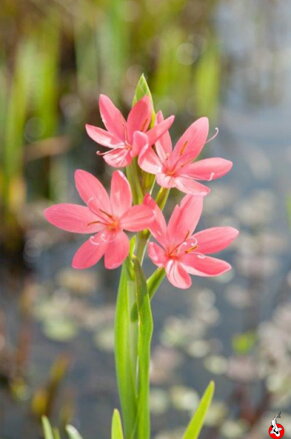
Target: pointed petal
149 161
137 218
177 275
91 191
164 144
72 218
166 181
189 186
89 253
194 138
215 239
117 251
140 141
120 194
158 227
103 137
184 218
202 265
118 158
157 254
208 169
112 117
139 117
158 130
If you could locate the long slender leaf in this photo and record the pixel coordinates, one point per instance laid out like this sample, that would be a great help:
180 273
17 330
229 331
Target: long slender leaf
125 354
145 330
116 428
196 423
47 429
73 432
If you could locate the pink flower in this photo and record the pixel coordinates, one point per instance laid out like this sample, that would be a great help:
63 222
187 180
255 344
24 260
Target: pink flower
126 137
174 167
105 217
180 252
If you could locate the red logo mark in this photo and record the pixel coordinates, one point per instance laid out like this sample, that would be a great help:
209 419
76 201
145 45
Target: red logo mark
276 431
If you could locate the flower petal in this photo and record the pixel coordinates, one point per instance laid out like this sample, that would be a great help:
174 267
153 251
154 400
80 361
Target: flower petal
149 161
140 141
164 144
164 180
112 117
177 275
91 191
157 254
189 186
158 130
72 218
89 253
158 227
208 169
202 265
139 117
118 157
215 239
194 138
137 218
117 251
120 194
184 218
103 137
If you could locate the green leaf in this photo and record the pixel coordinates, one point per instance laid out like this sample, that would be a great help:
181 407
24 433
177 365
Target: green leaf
155 280
116 428
125 350
73 432
142 89
196 423
145 330
244 342
47 429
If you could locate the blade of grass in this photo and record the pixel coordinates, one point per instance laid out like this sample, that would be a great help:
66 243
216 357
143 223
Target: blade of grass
196 423
116 428
73 432
145 331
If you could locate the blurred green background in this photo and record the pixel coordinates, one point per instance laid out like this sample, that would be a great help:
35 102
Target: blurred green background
226 59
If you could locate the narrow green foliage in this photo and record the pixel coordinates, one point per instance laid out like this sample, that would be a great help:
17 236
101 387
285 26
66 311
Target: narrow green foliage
73 432
145 330
47 428
124 358
196 423
116 428
155 280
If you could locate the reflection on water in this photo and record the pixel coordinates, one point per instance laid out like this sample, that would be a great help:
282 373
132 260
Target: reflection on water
234 329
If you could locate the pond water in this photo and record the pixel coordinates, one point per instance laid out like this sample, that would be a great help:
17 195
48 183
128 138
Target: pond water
197 331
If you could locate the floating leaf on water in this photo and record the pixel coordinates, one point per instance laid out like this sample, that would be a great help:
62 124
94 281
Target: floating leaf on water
216 364
216 413
79 282
60 330
184 398
104 339
159 401
244 342
198 349
234 429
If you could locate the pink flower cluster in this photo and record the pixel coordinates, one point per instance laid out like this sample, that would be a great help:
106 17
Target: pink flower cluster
105 217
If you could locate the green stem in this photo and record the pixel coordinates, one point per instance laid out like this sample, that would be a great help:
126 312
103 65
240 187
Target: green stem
133 178
162 197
